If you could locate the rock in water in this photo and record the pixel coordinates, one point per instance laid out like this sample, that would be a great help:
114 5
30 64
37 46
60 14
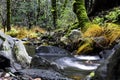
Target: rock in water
113 67
54 58
51 50
45 55
21 54
110 69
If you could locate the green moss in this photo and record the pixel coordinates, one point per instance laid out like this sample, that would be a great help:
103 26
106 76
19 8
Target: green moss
80 11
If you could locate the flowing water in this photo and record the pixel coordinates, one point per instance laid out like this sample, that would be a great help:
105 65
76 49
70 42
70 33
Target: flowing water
77 67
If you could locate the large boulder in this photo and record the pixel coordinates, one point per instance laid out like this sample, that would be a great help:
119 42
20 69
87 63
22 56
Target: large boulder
110 68
6 51
113 67
12 51
21 54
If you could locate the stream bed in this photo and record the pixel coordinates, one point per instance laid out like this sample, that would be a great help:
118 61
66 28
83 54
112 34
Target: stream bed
60 60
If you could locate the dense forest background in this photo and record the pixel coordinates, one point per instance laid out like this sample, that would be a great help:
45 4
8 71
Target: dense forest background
47 13
38 13
61 15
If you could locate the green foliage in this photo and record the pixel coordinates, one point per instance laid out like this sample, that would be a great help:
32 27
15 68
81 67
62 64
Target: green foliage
13 32
23 32
114 15
98 20
65 20
66 16
111 16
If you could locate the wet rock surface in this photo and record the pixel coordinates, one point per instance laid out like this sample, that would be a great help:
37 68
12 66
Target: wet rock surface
46 55
77 65
110 68
51 50
44 74
50 57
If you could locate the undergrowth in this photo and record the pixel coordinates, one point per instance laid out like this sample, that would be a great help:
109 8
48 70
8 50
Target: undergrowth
23 32
110 31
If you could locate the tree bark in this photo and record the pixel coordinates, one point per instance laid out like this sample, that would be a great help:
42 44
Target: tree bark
54 13
38 9
80 10
64 5
8 15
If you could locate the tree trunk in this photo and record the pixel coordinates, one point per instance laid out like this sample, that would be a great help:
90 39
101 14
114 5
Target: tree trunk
80 11
64 5
8 15
54 13
38 9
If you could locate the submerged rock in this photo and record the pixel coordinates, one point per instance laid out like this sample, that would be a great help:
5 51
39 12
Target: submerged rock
46 55
50 57
51 53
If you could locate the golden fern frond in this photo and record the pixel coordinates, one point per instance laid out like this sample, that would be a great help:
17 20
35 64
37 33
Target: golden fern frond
93 31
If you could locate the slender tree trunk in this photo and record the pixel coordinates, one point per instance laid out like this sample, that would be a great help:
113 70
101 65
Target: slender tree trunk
8 15
80 10
38 9
64 5
54 13
3 22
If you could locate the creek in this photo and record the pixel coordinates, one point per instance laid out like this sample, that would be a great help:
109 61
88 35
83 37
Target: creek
60 60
